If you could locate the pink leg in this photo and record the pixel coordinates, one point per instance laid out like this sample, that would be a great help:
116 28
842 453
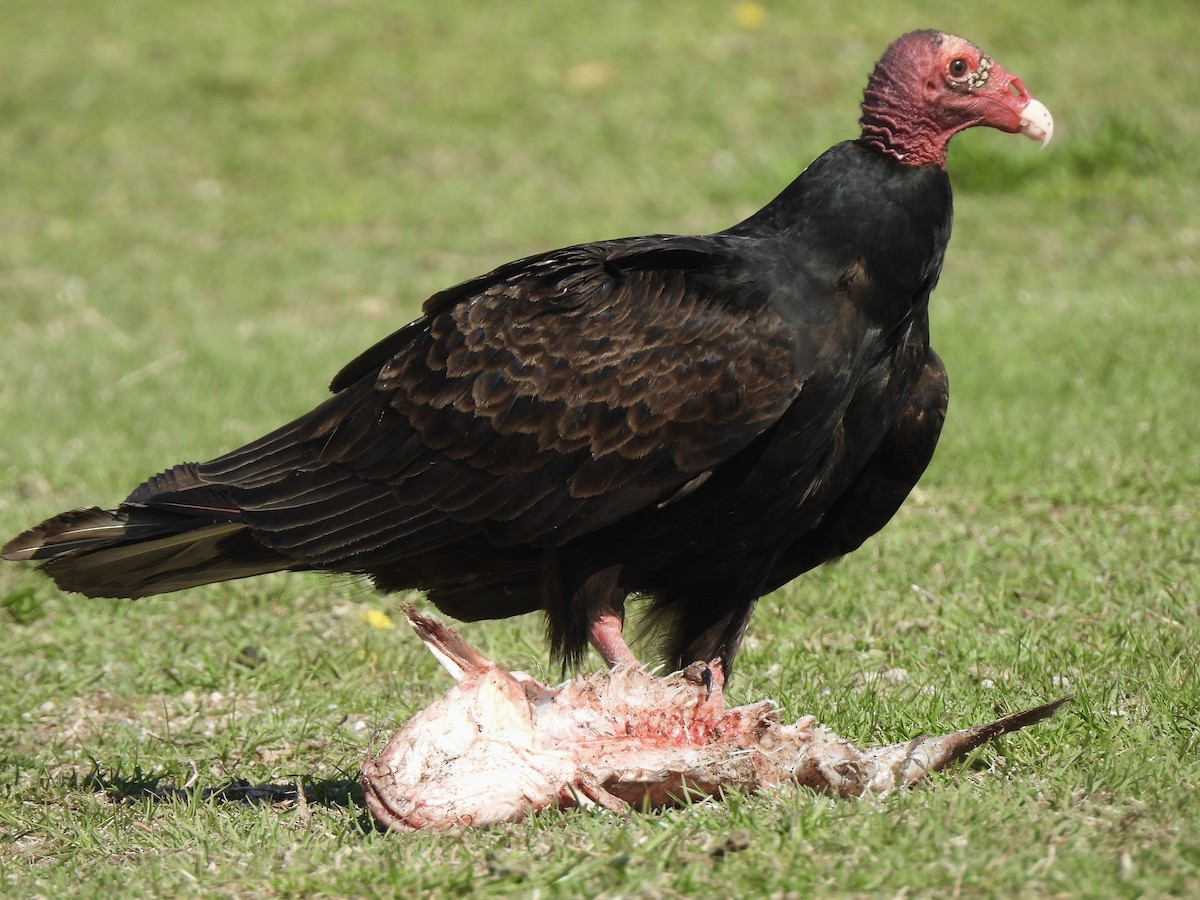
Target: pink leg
608 640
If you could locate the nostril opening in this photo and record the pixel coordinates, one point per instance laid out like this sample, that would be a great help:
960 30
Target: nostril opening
1017 88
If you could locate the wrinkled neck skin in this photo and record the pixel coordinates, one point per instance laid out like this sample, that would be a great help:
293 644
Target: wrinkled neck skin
898 125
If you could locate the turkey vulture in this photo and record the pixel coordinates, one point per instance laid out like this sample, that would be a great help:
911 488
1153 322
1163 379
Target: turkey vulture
694 419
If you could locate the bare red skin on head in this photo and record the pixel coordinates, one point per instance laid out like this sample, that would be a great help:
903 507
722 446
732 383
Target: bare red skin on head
928 87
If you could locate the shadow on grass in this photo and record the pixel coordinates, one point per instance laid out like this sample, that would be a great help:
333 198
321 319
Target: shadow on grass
139 786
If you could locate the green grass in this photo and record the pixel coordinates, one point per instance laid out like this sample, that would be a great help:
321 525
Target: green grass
206 208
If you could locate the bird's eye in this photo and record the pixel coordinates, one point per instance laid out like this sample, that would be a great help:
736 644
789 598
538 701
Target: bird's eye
958 67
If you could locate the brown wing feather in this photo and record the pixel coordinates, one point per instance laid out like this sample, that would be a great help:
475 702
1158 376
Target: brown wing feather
542 401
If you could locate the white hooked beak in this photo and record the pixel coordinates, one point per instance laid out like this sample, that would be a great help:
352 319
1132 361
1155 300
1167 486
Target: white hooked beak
1036 122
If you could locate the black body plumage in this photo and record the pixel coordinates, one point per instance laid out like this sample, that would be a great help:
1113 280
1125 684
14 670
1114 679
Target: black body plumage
697 419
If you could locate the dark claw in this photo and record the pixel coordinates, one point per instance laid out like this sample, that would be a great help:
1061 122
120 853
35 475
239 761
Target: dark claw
700 673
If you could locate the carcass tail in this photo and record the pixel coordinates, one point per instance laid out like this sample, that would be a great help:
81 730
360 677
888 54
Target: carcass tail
168 535
928 754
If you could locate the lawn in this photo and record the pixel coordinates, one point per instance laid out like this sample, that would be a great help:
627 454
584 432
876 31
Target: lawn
205 209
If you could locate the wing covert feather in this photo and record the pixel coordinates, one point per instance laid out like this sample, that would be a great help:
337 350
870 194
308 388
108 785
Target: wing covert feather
544 400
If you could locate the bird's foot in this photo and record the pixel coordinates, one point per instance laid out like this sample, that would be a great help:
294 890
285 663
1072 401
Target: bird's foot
609 641
710 674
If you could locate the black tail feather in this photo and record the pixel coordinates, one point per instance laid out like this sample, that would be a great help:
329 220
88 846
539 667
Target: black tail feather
136 551
84 530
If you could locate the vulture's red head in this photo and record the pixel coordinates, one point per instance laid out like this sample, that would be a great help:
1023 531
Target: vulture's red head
929 86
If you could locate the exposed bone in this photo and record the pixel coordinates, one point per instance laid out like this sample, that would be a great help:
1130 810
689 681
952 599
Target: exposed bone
501 745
